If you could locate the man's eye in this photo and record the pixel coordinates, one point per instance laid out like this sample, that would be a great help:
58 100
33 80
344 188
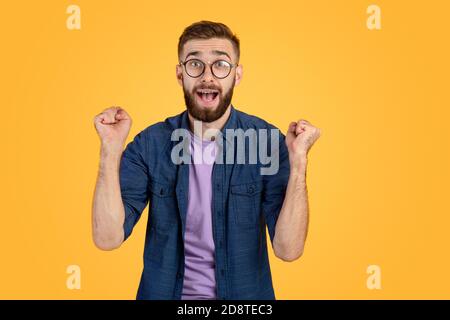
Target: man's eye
221 64
195 64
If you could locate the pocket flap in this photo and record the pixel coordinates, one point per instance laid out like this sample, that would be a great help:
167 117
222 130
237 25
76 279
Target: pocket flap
162 189
247 189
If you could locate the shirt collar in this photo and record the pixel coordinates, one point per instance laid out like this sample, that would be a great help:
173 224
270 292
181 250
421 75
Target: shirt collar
229 124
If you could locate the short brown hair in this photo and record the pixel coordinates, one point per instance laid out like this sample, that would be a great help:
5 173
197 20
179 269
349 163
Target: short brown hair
207 30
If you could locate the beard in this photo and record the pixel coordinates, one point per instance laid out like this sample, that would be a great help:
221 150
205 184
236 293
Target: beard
207 114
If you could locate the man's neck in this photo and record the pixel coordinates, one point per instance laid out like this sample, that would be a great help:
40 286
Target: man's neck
216 125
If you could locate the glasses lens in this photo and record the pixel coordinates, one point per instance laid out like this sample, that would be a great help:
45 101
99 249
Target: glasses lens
194 67
221 68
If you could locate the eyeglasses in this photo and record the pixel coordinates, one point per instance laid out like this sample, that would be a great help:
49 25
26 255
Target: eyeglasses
219 68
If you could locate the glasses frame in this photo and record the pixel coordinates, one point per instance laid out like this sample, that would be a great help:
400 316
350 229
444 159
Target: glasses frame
210 67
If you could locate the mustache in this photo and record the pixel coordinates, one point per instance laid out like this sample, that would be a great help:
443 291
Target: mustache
211 87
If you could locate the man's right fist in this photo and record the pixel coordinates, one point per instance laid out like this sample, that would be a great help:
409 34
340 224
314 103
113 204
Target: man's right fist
113 126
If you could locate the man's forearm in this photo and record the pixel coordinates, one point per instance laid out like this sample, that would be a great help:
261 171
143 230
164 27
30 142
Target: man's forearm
292 224
107 209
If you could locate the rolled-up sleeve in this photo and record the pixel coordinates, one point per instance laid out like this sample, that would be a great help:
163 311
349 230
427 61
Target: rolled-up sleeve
134 177
275 188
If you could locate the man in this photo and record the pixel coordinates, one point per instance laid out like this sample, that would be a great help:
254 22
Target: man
206 232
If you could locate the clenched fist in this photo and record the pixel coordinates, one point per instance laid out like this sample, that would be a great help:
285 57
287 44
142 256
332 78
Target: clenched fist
113 126
300 137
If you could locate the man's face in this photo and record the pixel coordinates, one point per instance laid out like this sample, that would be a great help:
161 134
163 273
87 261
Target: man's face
207 97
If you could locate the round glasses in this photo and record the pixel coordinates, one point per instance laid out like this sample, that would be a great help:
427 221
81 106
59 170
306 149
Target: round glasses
195 68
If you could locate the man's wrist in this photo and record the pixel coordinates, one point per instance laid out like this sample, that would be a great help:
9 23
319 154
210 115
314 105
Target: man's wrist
110 155
298 166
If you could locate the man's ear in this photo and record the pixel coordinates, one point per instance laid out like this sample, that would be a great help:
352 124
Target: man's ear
179 72
239 74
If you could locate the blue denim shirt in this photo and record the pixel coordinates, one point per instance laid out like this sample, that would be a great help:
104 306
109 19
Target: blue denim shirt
244 203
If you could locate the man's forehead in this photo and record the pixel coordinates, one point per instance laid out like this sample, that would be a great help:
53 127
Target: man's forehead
208 47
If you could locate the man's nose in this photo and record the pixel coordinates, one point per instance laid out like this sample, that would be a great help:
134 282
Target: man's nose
207 76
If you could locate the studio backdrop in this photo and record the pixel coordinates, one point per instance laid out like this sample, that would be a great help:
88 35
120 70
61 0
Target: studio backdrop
373 75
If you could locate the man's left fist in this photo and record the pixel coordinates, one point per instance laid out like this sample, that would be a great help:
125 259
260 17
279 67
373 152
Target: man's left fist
300 137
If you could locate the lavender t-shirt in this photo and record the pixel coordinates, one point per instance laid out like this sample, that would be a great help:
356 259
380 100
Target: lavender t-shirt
199 274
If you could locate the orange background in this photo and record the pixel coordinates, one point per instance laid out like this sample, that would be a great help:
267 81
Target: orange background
377 177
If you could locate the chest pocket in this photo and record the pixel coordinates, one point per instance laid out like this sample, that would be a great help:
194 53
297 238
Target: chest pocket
163 205
246 201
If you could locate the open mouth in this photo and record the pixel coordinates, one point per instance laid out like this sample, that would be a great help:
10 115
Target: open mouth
207 96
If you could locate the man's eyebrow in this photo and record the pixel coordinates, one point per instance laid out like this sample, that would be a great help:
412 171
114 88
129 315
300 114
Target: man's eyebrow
216 52
192 53
221 53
